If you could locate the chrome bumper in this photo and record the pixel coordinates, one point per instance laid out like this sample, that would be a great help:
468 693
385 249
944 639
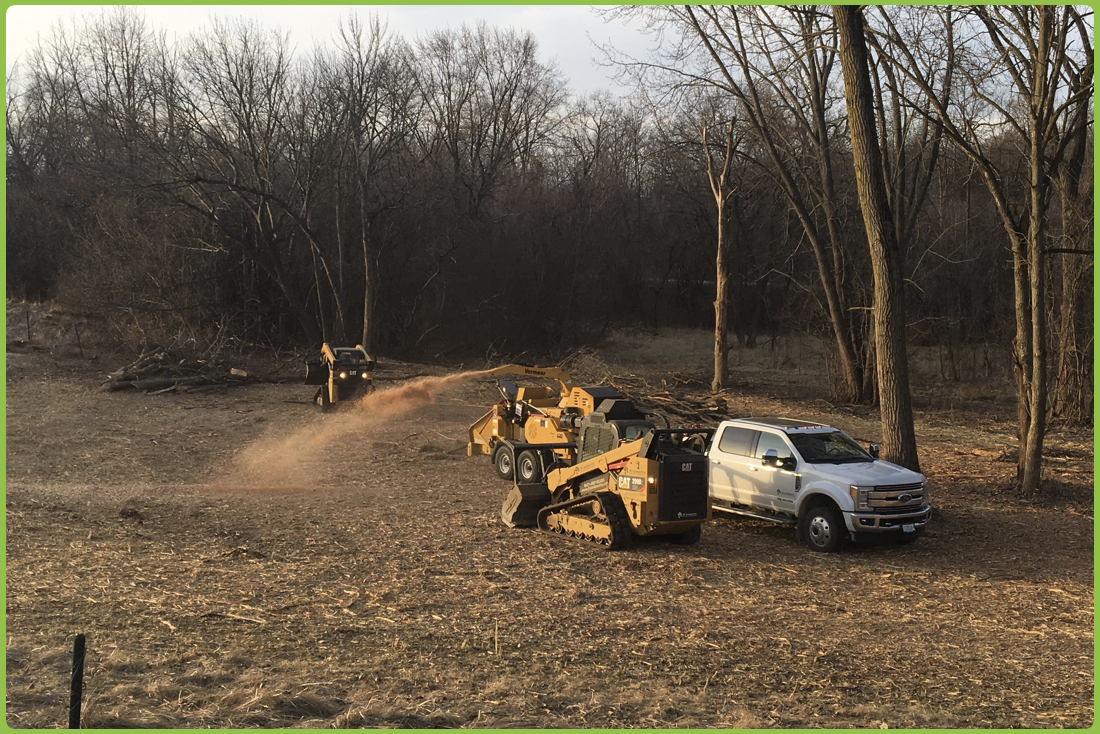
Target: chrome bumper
869 522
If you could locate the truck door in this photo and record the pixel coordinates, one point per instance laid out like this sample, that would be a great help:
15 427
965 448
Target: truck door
733 468
777 485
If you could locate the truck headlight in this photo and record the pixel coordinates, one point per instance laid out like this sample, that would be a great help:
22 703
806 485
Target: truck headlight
343 375
365 375
861 497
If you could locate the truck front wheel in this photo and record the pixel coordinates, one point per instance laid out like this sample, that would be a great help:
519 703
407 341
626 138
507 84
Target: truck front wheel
823 529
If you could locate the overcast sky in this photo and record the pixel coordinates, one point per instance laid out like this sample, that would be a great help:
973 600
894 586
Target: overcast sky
564 32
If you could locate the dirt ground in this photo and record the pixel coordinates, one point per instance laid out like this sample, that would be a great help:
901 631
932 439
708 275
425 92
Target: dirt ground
237 560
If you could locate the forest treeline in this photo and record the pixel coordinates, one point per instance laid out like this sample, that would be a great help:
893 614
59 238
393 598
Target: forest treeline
450 195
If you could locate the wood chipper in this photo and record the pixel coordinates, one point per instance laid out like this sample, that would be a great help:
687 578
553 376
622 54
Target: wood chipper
341 373
517 432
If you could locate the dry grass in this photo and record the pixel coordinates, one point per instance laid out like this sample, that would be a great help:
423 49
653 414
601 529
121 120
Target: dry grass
383 591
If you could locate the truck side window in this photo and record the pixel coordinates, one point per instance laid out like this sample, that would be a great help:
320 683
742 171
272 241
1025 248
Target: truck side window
737 441
772 441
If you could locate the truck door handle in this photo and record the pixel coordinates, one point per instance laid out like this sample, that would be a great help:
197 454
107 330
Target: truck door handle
752 468
715 461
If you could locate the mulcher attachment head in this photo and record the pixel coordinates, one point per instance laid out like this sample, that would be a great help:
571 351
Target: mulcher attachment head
521 506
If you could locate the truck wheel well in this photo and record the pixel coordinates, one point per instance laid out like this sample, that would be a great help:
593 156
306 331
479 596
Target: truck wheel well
818 499
814 500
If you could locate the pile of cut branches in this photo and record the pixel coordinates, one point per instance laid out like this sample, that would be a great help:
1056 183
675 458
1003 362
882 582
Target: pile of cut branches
702 409
682 399
158 371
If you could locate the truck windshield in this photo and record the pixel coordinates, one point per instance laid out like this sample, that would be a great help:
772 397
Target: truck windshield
828 448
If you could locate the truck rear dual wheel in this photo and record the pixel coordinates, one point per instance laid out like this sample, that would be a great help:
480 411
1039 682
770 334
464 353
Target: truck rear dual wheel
823 529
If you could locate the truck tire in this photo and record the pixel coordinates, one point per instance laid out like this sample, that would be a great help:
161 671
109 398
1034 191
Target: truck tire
528 467
823 529
503 461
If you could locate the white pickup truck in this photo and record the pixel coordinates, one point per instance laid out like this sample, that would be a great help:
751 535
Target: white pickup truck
815 477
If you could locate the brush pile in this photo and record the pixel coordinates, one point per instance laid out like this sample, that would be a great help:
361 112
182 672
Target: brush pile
683 399
158 371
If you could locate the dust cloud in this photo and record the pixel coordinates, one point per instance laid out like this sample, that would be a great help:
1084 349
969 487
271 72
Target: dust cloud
283 462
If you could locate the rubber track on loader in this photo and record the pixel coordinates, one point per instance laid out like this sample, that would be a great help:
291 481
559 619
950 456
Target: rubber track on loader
612 516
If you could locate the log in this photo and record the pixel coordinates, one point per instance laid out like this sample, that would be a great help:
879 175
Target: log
158 383
142 362
207 388
154 383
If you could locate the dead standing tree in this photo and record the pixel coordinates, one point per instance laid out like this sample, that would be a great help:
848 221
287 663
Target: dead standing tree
721 187
1016 86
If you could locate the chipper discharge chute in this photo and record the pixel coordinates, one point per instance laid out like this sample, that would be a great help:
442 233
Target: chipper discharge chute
341 373
628 478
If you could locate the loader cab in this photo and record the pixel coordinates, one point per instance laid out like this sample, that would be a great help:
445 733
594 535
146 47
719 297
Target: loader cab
614 423
352 357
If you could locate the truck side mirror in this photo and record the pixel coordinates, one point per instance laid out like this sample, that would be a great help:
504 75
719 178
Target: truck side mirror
872 449
771 458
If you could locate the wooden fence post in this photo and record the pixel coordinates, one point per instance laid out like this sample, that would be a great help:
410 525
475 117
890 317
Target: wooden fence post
76 682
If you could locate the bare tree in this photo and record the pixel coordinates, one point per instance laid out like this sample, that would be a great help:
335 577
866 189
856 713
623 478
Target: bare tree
778 64
1072 392
887 257
370 84
1015 85
721 187
490 105
239 171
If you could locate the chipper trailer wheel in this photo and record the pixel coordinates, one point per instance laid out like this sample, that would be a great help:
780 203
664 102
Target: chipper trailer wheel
528 467
504 462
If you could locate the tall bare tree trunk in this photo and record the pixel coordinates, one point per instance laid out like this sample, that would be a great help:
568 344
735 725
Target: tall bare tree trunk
718 187
1021 345
1036 250
896 410
721 313
1072 398
368 273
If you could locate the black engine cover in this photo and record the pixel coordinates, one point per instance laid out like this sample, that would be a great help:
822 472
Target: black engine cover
683 487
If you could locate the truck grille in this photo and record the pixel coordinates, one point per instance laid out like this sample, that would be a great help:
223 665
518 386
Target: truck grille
897 499
682 494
